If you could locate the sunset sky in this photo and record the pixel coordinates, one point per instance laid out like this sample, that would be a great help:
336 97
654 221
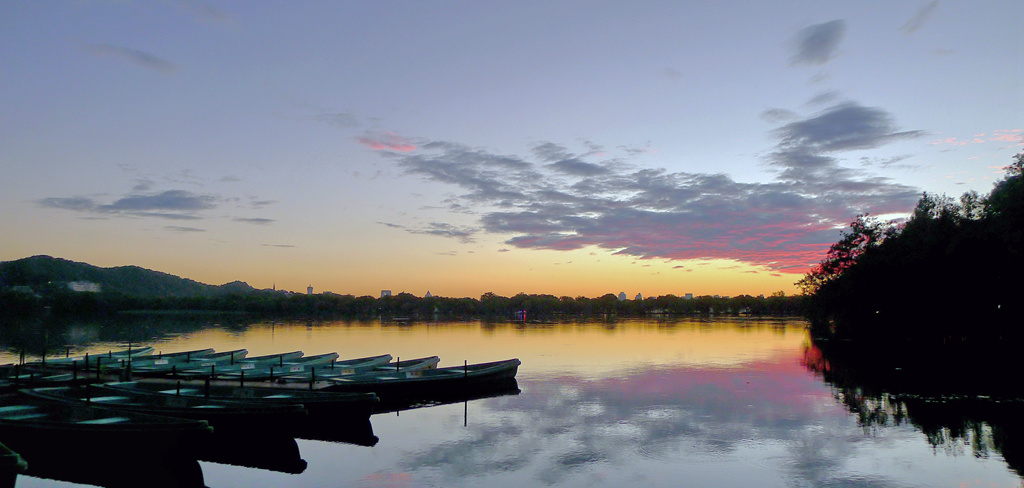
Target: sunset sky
562 147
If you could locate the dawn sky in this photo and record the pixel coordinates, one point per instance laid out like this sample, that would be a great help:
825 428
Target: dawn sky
571 148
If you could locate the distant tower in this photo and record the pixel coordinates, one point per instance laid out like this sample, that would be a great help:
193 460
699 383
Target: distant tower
428 295
622 296
639 297
309 290
385 293
689 296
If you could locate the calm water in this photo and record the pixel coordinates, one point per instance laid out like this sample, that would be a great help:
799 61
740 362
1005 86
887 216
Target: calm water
726 402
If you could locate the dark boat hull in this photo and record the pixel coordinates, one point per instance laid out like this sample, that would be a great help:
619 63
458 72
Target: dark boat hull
439 382
221 415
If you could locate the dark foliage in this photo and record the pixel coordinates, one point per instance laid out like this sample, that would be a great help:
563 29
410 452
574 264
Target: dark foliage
949 273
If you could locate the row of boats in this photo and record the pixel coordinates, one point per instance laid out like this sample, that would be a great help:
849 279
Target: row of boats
131 397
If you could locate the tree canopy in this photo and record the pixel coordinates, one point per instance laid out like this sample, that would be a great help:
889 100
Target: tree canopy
952 271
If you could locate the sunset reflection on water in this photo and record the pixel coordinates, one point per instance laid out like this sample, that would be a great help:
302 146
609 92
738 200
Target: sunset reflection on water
722 402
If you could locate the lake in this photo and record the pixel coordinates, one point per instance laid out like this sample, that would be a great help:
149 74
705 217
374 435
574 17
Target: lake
688 402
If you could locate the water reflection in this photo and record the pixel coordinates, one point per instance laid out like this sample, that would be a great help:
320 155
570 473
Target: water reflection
961 406
733 402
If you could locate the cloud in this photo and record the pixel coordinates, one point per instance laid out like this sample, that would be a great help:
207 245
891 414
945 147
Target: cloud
179 200
818 44
175 228
920 18
78 204
777 115
140 58
255 221
171 205
343 120
782 225
387 142
463 234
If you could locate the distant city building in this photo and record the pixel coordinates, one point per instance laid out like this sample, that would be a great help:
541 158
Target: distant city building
84 286
639 297
622 296
385 293
309 290
688 296
428 295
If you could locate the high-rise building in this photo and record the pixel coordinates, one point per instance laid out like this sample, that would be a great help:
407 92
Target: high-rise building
385 293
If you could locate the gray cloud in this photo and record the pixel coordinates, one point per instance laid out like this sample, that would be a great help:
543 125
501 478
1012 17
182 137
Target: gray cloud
785 224
168 205
175 228
78 204
843 127
342 119
440 229
134 56
179 200
920 18
256 221
819 43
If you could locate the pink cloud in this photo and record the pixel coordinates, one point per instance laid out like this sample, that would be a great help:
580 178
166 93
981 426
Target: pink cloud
998 135
387 142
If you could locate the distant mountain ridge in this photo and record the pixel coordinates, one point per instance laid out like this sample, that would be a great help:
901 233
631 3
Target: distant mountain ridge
37 272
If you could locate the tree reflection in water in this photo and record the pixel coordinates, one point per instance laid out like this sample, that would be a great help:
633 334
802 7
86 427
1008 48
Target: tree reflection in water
959 399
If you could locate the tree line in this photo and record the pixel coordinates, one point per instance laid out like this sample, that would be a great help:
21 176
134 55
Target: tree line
403 305
951 272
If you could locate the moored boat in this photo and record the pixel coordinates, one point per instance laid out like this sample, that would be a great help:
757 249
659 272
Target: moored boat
243 364
325 373
218 413
94 360
284 368
316 402
162 358
390 386
31 425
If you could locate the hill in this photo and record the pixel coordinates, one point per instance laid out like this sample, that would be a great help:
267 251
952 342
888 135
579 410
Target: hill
41 272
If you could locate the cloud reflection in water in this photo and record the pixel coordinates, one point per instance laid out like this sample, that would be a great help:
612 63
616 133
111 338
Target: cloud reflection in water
770 423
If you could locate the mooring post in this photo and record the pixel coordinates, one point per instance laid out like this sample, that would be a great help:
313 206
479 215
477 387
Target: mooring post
86 362
398 360
177 391
213 370
241 378
67 352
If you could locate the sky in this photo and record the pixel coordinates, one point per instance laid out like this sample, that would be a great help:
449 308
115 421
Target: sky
460 147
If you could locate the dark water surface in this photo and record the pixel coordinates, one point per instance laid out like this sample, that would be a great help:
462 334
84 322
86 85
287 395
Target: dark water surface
719 402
